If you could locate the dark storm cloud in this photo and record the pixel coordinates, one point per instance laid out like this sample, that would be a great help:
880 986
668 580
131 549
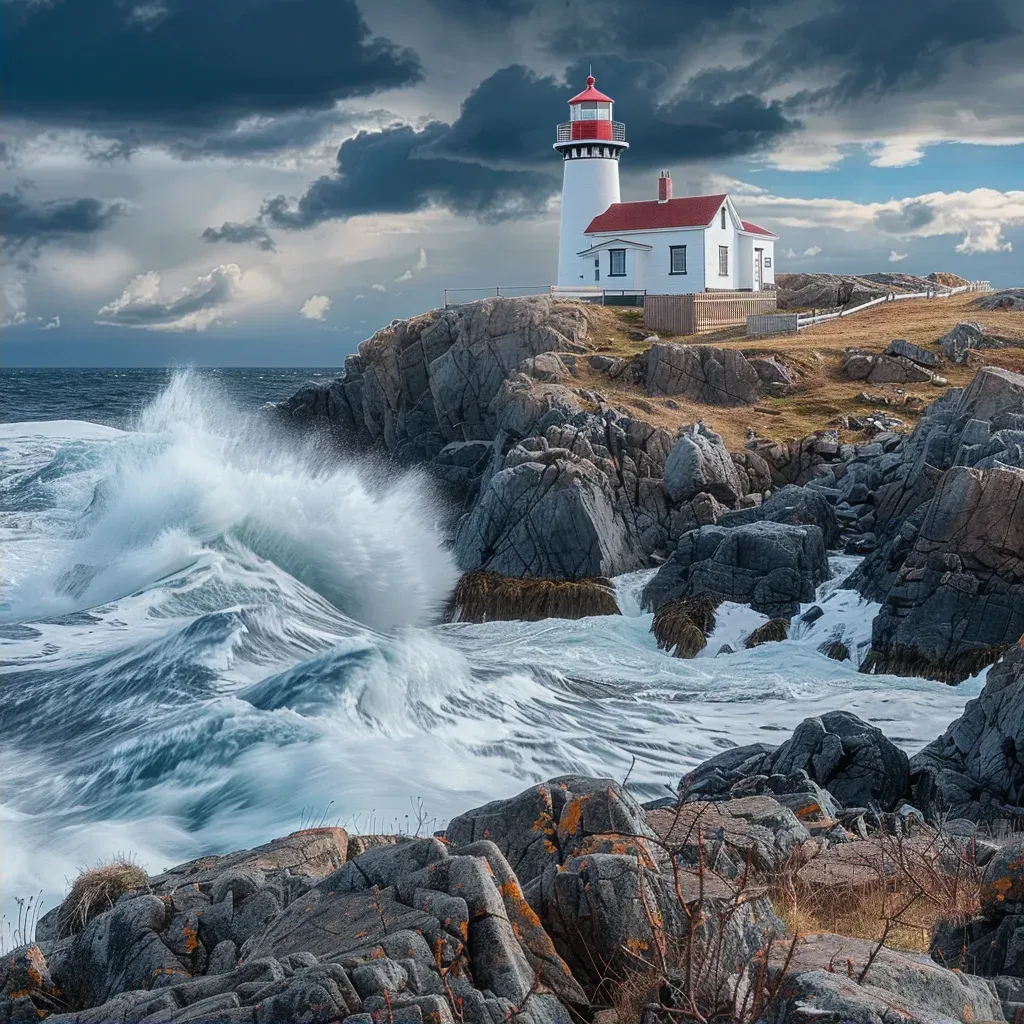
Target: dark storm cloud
27 225
193 62
659 126
864 47
909 217
393 171
241 234
496 162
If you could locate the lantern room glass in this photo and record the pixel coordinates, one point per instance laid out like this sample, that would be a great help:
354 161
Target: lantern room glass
590 111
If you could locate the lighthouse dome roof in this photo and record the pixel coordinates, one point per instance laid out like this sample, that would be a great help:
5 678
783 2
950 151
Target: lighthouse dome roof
590 94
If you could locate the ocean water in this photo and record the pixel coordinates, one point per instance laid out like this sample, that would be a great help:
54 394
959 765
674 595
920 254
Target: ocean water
211 635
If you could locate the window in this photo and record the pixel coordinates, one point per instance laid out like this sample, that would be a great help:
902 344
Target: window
723 261
597 269
677 259
616 262
723 218
767 261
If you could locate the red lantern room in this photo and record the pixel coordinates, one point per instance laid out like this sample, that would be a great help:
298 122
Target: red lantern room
590 117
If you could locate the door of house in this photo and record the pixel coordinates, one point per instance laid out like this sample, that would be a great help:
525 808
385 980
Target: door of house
758 268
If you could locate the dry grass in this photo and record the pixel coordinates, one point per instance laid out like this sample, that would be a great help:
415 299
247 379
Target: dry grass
815 354
96 890
682 626
896 889
773 631
490 597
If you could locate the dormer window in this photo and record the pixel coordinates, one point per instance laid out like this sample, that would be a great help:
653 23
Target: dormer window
723 218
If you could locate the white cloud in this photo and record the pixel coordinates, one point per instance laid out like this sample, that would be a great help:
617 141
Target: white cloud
194 308
52 324
360 296
316 307
897 257
378 288
792 254
979 216
421 263
407 276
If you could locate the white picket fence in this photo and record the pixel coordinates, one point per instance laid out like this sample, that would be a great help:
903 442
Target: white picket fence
805 320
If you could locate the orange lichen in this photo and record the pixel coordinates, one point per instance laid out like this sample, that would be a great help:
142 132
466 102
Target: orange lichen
191 938
570 820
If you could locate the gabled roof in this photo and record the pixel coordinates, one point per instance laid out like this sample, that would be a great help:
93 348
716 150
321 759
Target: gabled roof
608 243
590 94
688 212
755 230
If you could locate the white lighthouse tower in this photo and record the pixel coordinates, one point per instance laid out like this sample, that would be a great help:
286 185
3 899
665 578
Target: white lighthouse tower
590 144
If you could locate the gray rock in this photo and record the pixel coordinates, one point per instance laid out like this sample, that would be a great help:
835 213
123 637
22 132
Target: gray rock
854 761
699 463
773 567
958 597
800 506
119 951
550 515
975 769
702 373
961 339
823 984
916 354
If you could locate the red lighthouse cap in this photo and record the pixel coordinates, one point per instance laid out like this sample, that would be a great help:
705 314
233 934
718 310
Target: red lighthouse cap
590 94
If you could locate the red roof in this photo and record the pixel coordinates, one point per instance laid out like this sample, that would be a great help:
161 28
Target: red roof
755 230
590 94
688 212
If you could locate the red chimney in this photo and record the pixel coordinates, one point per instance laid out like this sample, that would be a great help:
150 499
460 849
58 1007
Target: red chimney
664 187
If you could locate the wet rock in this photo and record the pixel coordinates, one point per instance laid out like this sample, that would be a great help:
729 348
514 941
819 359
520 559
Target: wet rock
800 506
773 567
548 514
958 598
975 769
852 760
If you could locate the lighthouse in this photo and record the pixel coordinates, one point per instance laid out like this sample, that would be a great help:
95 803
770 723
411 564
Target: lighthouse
590 143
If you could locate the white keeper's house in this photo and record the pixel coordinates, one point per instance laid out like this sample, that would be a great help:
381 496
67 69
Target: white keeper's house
664 246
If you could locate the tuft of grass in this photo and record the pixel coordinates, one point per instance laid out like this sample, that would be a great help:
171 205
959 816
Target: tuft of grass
771 632
489 597
96 890
682 626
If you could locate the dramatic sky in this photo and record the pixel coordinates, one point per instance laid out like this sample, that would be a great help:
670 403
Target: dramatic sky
265 182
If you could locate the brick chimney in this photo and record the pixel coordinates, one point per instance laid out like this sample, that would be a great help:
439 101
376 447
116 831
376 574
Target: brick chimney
664 187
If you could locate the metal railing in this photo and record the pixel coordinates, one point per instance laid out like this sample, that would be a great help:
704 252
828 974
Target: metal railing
507 290
587 131
806 320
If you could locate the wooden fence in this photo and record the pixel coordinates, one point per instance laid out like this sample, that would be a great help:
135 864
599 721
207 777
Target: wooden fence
703 311
808 319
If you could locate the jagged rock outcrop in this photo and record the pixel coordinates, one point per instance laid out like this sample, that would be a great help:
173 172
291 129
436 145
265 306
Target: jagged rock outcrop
773 567
700 373
797 506
854 761
958 598
975 769
956 343
699 463
977 426
549 513
1008 298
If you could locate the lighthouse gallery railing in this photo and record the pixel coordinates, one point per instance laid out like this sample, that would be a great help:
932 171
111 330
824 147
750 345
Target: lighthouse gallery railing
573 131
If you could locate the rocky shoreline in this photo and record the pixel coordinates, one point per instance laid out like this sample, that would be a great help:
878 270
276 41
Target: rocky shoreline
572 902
547 479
